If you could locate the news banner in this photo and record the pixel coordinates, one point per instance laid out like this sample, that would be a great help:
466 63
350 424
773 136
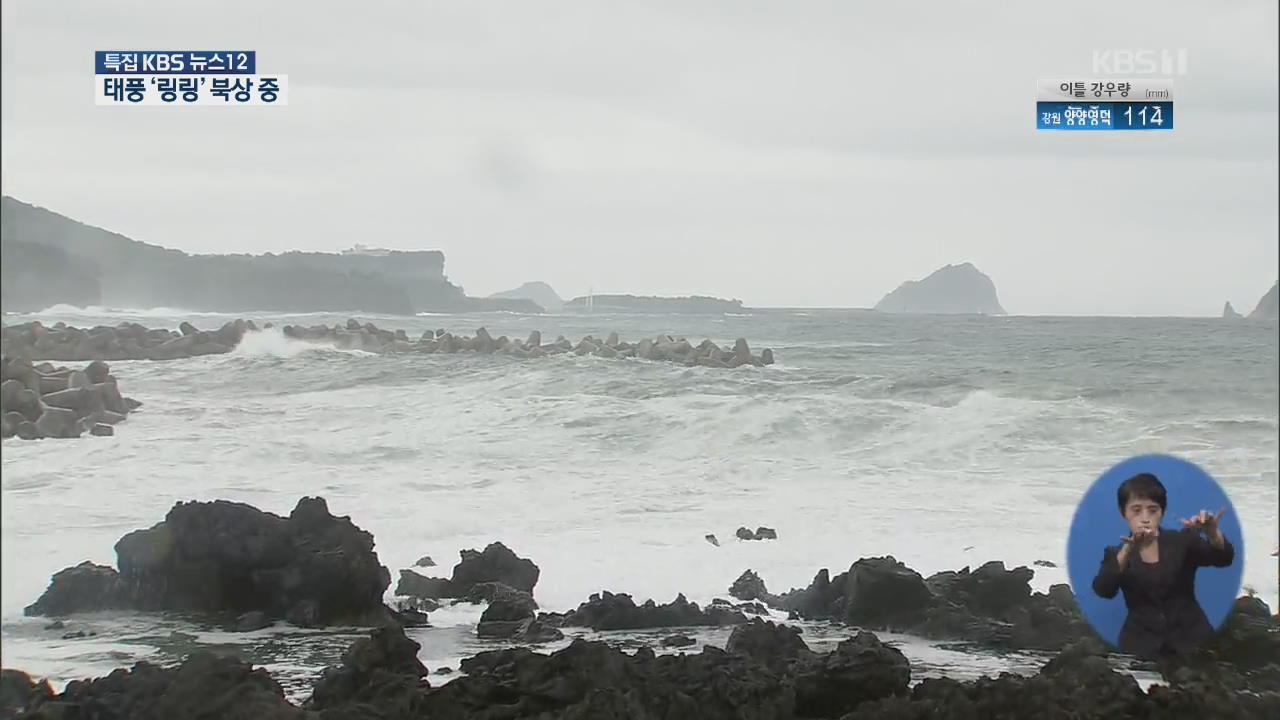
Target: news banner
1104 104
185 77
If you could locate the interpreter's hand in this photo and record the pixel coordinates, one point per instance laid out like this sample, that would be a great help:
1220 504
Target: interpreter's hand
1139 538
1204 521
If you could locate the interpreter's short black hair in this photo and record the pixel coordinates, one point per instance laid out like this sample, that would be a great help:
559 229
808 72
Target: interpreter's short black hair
1143 485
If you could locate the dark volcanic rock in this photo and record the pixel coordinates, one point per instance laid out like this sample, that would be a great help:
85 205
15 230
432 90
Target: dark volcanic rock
678 640
990 590
311 568
18 692
770 644
414 585
991 605
996 607
812 602
592 681
495 564
1218 691
883 593
609 611
83 588
492 592
204 687
860 669
514 619
1078 684
827 685
1250 638
766 673
746 608
749 586
379 672
507 610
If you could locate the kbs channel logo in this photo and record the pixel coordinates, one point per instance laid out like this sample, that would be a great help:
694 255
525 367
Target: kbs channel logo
185 77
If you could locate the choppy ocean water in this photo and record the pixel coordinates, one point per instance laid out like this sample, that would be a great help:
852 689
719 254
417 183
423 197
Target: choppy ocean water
944 442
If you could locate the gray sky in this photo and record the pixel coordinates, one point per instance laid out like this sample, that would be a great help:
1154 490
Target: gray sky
784 153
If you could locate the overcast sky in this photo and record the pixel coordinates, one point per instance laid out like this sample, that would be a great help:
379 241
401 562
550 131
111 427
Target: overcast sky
783 153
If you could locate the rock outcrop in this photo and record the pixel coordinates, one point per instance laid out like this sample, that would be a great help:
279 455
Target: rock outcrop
204 686
516 620
311 568
44 401
1249 639
1268 307
380 677
617 611
107 268
495 564
1229 313
951 290
537 292
1078 683
760 533
992 606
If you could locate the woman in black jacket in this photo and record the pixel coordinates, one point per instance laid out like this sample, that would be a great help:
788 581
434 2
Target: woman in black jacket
1156 569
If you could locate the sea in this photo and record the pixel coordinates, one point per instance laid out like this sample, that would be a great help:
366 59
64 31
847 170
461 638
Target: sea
942 441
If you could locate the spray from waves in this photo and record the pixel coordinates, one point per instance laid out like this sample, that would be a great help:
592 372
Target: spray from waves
272 343
95 311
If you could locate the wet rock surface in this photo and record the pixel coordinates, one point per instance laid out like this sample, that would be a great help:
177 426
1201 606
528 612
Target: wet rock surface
765 671
311 568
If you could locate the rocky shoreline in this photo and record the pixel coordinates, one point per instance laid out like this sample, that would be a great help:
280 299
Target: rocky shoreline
316 570
45 401
131 341
766 671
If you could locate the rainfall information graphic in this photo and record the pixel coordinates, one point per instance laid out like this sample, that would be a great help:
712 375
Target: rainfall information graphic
1089 105
185 77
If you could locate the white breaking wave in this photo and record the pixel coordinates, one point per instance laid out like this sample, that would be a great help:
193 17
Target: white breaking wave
93 311
273 343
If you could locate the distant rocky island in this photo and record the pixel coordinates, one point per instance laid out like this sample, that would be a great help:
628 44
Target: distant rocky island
51 259
1268 307
537 292
695 304
951 290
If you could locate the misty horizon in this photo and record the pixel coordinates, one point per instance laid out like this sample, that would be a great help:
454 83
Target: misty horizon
598 292
672 152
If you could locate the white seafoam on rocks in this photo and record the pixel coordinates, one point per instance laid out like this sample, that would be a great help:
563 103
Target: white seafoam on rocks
944 442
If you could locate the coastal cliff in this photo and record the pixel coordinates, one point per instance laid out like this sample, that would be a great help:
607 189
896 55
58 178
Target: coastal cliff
50 259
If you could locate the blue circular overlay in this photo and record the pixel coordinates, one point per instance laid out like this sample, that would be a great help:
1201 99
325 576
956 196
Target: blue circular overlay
1098 523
